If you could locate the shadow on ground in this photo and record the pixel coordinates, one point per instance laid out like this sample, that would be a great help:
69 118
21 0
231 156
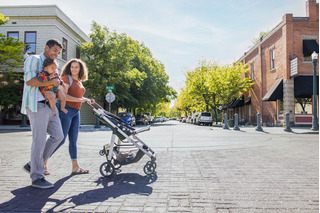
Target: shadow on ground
29 199
116 186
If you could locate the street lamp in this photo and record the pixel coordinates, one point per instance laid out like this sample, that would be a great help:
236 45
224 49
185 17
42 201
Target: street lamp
315 125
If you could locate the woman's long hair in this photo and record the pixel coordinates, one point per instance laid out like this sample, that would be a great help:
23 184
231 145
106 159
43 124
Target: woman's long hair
83 73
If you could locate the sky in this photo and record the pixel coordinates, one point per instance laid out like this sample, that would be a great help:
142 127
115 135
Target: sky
179 33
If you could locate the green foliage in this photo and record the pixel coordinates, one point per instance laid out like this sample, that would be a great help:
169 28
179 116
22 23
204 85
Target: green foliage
117 60
231 82
11 51
209 86
256 40
3 19
11 82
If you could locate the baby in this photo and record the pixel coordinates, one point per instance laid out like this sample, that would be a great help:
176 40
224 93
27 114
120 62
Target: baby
48 73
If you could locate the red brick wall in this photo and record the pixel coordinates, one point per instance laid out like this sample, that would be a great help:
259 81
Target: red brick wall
286 40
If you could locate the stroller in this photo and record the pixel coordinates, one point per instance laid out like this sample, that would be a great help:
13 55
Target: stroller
115 157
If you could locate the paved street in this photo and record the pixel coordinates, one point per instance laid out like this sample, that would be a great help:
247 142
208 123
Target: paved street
199 169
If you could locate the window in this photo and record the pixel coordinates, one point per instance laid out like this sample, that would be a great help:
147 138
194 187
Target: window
252 71
303 105
77 52
272 65
30 39
64 48
13 35
281 106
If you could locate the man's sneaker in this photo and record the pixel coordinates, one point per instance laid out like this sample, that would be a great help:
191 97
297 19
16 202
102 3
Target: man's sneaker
42 184
27 168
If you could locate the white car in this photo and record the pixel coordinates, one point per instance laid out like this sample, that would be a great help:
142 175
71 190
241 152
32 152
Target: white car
205 118
159 119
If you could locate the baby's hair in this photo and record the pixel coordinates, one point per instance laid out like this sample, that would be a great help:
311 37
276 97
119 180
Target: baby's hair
49 61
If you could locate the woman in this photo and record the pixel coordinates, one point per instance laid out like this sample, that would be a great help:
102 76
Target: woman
77 70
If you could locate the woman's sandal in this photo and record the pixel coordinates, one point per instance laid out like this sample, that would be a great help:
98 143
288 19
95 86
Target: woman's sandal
46 172
80 171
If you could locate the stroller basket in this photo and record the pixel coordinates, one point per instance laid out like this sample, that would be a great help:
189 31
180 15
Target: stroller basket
122 131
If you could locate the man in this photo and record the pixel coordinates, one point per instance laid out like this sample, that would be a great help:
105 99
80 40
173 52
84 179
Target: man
42 120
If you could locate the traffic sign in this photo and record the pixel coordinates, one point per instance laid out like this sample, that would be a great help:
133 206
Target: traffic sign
110 97
110 87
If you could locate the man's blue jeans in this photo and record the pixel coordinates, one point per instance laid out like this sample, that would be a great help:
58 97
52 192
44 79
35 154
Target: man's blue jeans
70 123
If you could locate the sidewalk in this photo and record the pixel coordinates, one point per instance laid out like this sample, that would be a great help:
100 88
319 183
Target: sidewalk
92 128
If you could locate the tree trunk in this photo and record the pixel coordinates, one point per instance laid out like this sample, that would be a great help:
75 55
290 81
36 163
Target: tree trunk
216 115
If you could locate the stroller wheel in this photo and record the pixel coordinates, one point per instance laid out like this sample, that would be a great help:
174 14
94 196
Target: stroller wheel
149 168
153 163
102 152
107 169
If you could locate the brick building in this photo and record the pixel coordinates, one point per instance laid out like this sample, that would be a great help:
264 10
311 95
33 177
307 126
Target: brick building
280 65
35 25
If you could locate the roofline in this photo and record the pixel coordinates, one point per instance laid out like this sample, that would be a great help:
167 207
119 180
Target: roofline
56 15
262 39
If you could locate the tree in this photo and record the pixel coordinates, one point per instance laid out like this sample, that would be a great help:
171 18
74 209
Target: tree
11 81
304 102
201 84
255 41
231 82
209 85
116 60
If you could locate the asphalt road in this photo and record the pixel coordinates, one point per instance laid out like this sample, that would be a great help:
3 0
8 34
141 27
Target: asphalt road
199 169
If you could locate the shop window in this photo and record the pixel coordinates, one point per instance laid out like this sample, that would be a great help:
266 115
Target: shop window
303 105
64 49
30 39
281 108
13 35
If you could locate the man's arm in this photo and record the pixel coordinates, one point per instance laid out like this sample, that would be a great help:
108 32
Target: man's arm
30 74
35 82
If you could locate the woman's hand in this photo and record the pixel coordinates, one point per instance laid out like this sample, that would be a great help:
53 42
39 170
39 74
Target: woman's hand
91 101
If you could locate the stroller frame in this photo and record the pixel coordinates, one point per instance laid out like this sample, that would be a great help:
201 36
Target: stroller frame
121 130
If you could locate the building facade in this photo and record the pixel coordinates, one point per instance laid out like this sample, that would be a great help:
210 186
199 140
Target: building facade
280 64
35 25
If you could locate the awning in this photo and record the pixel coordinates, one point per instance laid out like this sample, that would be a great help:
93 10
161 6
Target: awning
309 46
237 103
275 92
303 86
247 102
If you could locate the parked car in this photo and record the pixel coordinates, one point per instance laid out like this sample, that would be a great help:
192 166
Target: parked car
128 118
188 119
159 119
184 120
205 118
142 119
194 118
150 117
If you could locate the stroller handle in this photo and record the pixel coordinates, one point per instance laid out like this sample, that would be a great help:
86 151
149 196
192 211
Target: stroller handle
95 107
143 129
91 105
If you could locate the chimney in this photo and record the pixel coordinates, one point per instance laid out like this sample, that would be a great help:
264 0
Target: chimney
312 10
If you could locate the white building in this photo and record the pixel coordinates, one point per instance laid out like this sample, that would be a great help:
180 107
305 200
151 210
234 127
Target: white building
36 24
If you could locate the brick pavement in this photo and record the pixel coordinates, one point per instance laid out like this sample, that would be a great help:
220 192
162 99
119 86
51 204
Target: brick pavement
279 177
